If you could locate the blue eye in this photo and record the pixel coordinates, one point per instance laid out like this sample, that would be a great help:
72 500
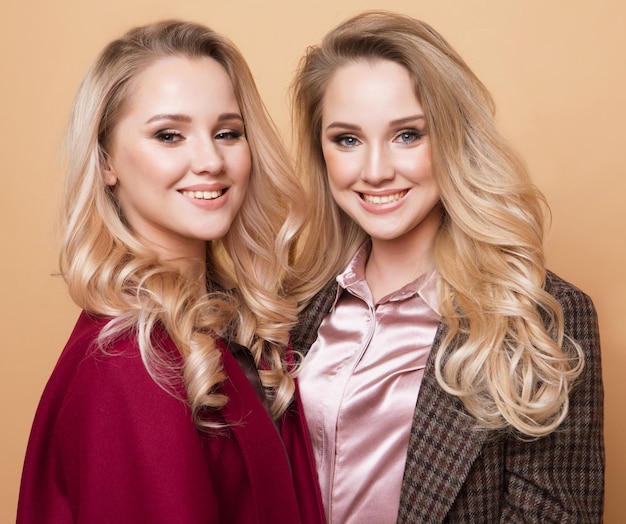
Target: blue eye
408 136
347 141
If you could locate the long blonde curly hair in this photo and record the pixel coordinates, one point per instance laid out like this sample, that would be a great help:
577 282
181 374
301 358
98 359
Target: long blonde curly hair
504 354
110 272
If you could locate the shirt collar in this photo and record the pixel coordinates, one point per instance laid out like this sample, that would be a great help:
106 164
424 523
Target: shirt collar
425 285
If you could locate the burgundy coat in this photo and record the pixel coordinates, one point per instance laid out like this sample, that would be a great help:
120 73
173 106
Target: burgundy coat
108 445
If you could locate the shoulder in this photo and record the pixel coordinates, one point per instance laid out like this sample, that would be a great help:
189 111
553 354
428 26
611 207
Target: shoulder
580 324
109 440
90 383
105 398
83 348
579 313
565 291
82 359
86 360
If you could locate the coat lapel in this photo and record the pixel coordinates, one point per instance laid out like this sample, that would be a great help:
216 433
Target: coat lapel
267 464
444 444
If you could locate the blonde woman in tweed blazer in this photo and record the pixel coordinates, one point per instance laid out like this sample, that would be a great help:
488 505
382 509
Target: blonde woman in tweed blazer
417 197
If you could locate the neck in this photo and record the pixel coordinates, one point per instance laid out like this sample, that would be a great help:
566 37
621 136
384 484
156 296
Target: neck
393 264
182 254
387 272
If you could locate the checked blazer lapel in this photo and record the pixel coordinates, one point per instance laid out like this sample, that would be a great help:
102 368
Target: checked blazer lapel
444 444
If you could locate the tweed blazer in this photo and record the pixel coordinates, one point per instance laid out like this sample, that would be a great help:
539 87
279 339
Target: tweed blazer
457 473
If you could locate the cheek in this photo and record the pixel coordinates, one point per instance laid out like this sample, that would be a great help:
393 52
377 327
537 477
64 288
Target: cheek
418 168
138 164
340 197
239 163
244 165
340 167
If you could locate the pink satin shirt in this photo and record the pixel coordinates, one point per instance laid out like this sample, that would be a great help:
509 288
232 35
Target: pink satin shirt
359 385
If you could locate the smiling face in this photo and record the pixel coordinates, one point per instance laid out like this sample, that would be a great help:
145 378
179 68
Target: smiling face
377 153
178 160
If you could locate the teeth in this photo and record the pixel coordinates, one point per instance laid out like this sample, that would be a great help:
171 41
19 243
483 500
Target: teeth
203 195
386 199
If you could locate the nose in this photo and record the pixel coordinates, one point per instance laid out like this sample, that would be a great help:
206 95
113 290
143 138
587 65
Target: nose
378 165
207 158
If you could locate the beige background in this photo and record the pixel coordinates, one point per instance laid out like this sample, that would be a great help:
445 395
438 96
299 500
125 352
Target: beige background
557 71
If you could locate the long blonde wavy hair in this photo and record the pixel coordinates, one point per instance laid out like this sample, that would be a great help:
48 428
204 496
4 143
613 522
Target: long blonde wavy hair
503 354
110 272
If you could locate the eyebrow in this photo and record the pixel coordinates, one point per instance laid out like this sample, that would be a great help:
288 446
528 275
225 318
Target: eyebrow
407 119
185 118
399 121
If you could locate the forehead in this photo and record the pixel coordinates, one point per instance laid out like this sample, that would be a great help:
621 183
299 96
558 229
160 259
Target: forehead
365 88
167 74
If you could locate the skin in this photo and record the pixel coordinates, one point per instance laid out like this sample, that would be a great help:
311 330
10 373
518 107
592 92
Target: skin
179 161
379 164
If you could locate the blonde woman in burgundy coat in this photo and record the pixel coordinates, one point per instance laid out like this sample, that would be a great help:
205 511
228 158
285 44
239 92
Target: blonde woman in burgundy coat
170 404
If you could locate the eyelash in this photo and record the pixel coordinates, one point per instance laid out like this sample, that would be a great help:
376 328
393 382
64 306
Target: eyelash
163 134
415 135
340 140
230 135
170 136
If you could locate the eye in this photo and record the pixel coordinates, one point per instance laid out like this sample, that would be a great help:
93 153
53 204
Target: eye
347 141
408 136
229 134
169 136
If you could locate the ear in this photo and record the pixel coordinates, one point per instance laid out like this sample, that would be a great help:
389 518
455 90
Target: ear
108 173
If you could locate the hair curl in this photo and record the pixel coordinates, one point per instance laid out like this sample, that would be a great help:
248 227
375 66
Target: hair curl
110 272
504 354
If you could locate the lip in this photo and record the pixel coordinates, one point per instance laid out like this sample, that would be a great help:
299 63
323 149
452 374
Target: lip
205 196
382 201
203 187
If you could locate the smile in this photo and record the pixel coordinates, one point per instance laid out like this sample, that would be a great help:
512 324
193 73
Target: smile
383 199
204 195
